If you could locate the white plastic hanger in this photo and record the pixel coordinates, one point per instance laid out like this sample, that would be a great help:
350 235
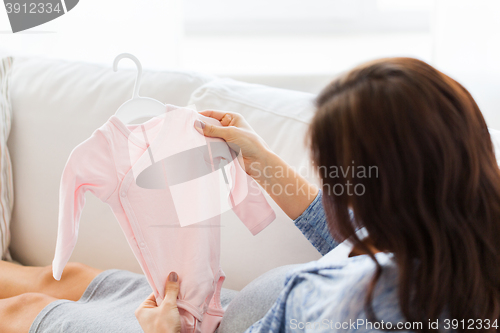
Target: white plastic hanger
138 107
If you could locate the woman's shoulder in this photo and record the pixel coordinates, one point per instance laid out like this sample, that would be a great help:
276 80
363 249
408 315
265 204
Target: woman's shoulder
332 292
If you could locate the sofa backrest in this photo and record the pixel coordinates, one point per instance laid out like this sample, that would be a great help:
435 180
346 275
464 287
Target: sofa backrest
58 104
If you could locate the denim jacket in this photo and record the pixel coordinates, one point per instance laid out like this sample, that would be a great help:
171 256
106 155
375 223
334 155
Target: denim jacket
328 295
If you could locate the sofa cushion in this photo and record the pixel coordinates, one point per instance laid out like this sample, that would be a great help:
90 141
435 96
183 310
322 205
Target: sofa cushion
6 186
56 105
281 117
495 138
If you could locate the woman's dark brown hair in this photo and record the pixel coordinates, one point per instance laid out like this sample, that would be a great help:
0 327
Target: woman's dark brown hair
435 202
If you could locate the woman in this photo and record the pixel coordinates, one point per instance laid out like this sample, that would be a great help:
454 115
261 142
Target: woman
431 212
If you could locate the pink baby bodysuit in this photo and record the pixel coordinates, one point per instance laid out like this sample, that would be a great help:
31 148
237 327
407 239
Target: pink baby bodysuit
167 185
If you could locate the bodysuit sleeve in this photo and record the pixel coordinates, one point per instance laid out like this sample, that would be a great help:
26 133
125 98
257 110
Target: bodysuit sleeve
90 167
253 210
247 199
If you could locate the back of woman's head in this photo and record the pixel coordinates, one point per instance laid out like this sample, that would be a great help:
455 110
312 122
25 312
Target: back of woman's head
423 181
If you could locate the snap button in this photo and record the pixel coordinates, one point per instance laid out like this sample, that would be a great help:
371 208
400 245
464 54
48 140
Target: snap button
142 244
123 194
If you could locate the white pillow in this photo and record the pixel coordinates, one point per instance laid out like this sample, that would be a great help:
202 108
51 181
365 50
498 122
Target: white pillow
495 138
281 118
6 186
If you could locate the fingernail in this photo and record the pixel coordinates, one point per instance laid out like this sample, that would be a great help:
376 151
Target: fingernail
172 277
199 124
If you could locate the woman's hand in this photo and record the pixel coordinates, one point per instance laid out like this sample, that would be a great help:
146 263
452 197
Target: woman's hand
292 192
237 132
164 318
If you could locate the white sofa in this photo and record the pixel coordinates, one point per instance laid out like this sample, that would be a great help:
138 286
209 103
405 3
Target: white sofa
58 104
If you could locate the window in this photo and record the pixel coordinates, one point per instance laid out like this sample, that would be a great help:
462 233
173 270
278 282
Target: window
287 17
233 37
296 37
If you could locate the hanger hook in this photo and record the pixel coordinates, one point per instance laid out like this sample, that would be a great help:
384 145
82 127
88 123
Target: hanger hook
139 70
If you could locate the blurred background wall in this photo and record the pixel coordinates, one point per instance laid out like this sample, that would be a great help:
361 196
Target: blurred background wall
292 44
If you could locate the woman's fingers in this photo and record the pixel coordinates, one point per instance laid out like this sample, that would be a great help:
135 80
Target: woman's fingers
215 114
225 118
213 130
171 291
150 302
166 317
